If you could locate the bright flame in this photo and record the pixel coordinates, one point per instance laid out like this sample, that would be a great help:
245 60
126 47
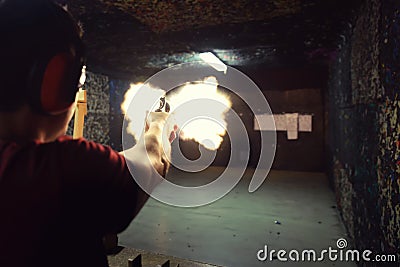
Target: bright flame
137 101
198 109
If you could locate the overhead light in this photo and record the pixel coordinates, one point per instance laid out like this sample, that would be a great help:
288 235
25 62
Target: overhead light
213 61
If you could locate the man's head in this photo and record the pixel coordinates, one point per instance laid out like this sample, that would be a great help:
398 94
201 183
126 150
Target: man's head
41 56
41 59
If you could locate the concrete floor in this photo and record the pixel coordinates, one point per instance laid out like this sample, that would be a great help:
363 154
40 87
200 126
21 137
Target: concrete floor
232 230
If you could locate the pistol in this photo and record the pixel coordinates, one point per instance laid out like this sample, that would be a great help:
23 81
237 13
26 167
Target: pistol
164 106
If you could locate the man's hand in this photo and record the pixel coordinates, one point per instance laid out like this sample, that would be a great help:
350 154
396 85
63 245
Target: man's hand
159 134
165 120
149 158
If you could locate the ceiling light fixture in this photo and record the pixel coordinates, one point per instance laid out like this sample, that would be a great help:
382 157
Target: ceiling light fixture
213 61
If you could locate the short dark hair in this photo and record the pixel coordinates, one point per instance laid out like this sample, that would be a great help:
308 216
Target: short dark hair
28 29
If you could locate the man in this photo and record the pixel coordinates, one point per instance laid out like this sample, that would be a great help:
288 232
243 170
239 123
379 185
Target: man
58 196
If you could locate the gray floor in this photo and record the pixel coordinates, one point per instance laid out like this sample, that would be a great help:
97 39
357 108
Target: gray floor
232 230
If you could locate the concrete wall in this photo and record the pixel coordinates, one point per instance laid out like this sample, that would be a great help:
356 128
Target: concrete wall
97 121
364 128
307 152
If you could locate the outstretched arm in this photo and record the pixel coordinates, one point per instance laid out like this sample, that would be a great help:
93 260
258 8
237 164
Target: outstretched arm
148 159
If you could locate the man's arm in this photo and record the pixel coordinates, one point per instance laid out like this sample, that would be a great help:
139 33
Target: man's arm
148 159
106 190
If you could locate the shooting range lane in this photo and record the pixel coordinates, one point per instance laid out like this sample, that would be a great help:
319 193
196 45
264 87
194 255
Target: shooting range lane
291 210
353 45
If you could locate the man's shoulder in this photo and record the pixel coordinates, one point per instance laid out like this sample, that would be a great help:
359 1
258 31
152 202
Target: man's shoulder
68 142
82 148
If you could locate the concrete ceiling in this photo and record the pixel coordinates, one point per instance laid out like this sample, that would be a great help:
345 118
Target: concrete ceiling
127 38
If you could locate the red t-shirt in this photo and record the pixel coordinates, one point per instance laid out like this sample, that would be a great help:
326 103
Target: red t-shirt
57 201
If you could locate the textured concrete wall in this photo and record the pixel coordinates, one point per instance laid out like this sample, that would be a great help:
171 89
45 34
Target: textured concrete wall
389 126
364 126
97 121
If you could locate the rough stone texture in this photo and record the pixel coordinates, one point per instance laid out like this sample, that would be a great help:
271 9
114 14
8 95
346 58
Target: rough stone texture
389 121
364 125
340 138
97 122
344 195
126 38
365 77
177 15
390 49
388 174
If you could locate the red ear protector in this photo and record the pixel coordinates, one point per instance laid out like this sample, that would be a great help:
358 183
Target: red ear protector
54 79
